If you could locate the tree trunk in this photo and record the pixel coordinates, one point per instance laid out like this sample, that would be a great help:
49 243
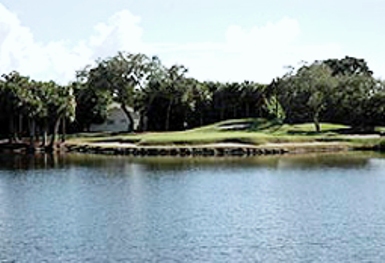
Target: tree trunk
316 122
143 123
55 130
45 137
63 131
222 113
37 132
247 110
276 107
130 127
11 129
167 126
31 123
44 134
20 127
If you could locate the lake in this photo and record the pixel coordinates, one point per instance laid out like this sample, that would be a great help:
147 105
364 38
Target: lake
79 208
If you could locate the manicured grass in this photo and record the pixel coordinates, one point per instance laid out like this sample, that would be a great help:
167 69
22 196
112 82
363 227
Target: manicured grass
250 131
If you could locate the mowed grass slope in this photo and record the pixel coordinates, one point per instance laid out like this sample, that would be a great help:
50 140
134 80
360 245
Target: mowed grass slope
250 131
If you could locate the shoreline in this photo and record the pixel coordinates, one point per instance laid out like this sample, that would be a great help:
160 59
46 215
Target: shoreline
221 149
211 150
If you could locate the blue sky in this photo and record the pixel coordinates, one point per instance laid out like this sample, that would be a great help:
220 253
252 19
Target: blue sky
225 40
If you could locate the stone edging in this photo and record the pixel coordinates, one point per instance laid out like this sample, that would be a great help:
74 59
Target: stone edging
204 151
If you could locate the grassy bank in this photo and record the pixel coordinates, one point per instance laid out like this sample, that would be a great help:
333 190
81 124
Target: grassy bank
246 131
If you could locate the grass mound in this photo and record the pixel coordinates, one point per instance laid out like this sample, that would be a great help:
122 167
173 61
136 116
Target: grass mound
246 131
276 127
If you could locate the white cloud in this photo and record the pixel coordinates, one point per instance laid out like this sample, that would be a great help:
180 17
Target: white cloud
258 53
261 39
58 60
121 32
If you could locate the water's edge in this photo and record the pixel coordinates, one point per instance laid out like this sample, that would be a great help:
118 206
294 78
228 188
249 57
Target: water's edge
217 150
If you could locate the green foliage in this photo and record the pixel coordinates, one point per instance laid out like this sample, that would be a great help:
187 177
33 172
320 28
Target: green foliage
166 97
275 109
119 77
333 91
92 105
310 86
348 66
27 105
353 100
186 103
340 91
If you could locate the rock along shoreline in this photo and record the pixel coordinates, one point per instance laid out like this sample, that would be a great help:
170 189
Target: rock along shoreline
209 150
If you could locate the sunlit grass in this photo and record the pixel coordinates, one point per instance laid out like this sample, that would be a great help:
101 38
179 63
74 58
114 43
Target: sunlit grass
250 131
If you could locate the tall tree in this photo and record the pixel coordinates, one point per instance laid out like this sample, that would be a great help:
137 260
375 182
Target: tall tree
309 88
352 100
91 106
58 105
348 66
120 75
13 94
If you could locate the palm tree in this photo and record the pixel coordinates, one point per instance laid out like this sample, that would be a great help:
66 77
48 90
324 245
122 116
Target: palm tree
13 93
61 106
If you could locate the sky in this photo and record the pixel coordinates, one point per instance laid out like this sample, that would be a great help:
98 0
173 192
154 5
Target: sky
217 40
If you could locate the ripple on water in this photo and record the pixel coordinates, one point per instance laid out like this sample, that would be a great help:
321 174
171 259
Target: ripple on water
119 210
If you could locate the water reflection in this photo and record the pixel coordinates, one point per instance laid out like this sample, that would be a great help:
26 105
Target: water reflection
79 208
319 161
29 161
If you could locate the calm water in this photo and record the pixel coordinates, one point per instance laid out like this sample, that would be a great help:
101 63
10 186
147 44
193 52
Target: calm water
319 208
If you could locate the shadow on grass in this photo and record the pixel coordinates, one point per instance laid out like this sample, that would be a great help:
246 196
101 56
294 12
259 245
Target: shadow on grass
343 131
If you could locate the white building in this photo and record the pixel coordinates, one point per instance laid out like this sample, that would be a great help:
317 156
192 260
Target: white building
117 120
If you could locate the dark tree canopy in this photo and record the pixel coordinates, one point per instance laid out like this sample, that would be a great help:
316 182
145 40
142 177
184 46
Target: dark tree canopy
348 66
166 98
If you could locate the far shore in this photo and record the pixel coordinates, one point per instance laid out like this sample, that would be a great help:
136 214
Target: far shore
259 137
212 149
218 149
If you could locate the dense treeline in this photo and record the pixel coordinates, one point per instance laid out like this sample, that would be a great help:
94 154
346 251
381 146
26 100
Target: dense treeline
339 91
334 90
165 97
34 109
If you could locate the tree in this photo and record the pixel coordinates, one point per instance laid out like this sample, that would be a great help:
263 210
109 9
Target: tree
166 97
375 106
58 105
61 106
91 106
33 107
120 76
309 87
175 89
200 105
41 104
352 99
14 92
348 66
145 98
